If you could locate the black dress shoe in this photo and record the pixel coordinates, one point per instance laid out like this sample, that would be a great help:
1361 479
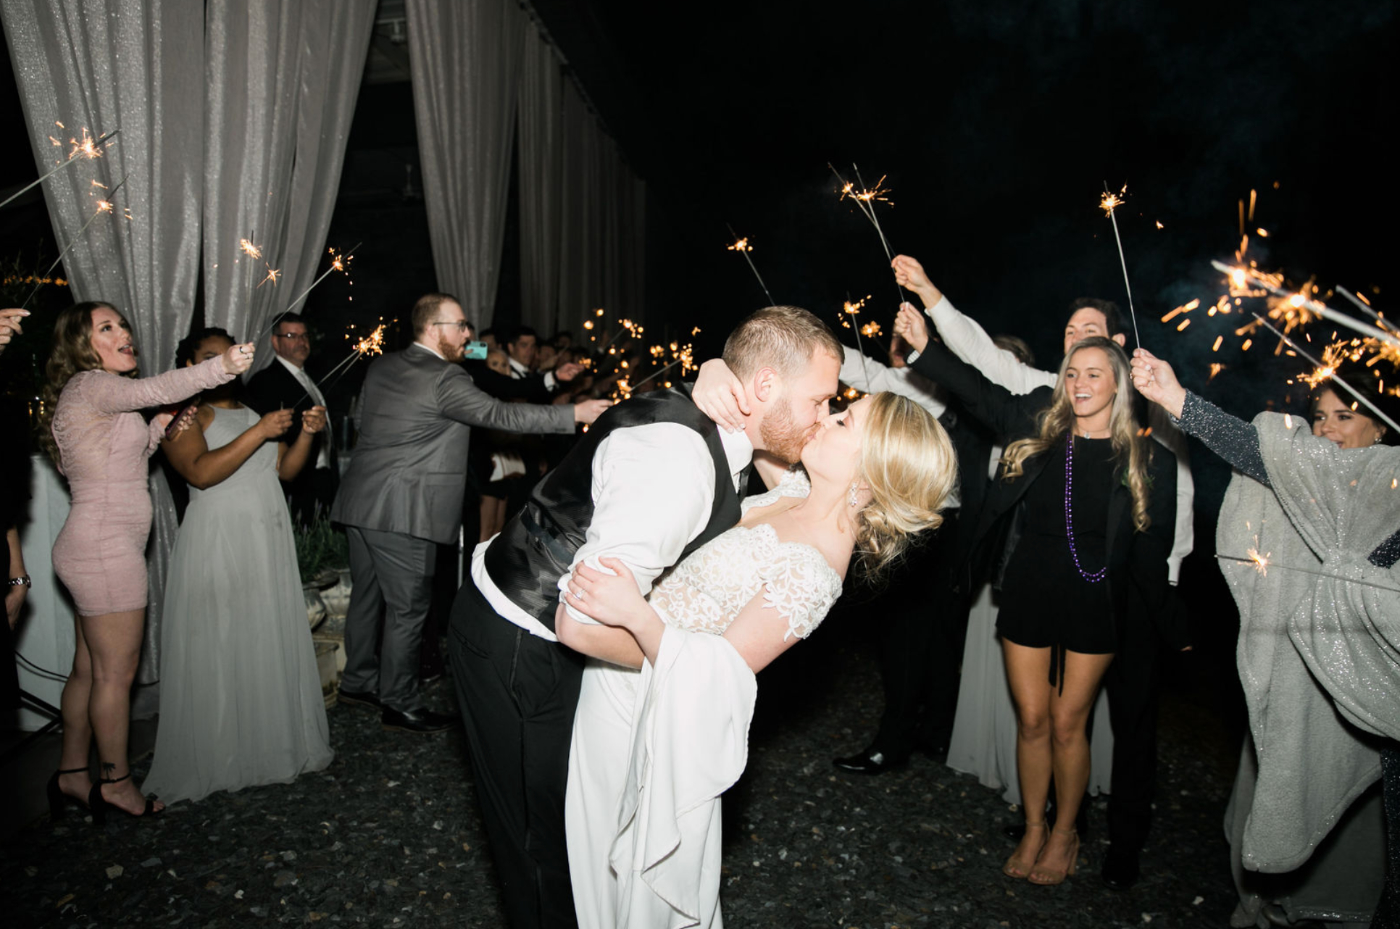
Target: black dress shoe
1120 868
869 762
418 721
363 699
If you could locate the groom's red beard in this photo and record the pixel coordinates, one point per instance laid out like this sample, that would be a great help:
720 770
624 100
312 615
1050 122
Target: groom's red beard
781 435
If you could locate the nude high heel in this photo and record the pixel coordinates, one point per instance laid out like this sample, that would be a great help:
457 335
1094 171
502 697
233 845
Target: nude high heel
1021 867
1045 876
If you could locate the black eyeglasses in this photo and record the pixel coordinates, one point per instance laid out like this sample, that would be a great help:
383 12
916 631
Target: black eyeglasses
462 325
294 336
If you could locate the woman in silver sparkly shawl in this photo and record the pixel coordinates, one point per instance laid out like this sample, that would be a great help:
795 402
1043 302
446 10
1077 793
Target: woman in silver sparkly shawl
1308 540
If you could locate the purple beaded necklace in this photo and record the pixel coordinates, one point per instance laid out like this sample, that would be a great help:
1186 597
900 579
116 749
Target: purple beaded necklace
1101 573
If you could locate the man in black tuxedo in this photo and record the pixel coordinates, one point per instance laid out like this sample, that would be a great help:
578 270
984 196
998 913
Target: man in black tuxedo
284 384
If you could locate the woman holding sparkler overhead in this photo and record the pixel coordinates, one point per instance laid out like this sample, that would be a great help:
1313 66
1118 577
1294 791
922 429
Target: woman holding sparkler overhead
240 694
91 428
1083 511
1308 541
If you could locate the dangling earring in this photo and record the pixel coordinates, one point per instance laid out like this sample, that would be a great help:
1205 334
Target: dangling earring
851 496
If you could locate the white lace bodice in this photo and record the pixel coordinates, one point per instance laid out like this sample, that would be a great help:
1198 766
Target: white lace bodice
715 582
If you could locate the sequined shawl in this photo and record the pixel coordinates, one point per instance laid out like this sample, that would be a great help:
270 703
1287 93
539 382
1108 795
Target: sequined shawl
1319 645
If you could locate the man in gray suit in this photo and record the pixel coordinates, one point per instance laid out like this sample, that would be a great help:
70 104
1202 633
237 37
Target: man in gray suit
402 495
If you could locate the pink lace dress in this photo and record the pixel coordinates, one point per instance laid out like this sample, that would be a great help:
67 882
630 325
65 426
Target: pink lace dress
103 444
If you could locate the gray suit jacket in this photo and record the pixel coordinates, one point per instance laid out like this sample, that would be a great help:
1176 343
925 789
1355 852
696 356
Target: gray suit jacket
408 471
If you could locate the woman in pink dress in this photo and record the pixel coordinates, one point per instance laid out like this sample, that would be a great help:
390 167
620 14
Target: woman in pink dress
100 442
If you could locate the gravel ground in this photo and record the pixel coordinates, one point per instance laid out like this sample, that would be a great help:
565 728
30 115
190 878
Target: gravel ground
389 834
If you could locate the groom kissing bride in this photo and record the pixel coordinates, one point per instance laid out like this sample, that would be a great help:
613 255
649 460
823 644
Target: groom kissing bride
655 484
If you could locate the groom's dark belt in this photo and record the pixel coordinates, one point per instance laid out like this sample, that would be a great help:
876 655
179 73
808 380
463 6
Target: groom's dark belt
561 552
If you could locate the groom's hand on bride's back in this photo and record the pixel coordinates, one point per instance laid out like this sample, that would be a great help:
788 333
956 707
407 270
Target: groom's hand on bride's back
720 396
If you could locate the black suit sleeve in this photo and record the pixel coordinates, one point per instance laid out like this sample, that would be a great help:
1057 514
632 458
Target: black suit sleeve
274 388
1008 415
530 389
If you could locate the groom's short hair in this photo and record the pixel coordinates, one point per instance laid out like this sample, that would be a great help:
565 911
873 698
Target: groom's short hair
783 338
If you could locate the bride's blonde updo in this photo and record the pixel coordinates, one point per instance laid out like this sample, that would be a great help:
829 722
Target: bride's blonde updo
909 464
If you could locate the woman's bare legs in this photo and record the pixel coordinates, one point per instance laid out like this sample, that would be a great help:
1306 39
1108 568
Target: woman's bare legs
77 730
1028 675
114 649
1069 748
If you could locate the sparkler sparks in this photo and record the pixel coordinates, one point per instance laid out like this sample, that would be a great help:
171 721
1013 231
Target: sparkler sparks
742 246
249 249
1109 204
340 261
88 148
104 207
865 199
1261 562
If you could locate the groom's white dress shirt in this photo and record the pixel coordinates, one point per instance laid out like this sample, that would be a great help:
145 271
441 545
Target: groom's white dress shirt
653 491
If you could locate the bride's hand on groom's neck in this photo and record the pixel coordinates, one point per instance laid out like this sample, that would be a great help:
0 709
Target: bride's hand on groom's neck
720 396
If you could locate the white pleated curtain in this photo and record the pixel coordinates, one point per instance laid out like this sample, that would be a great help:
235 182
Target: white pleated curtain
541 172
465 60
141 66
486 83
282 81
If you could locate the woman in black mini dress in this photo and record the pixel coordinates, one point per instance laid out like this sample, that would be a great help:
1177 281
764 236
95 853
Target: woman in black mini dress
1078 523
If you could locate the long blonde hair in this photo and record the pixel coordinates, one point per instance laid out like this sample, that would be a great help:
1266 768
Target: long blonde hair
1057 419
72 353
909 464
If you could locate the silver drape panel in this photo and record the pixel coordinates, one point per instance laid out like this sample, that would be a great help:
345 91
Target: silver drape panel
465 59
282 81
541 154
580 259
128 64
602 215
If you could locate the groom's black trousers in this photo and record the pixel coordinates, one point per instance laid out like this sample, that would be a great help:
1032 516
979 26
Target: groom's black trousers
518 693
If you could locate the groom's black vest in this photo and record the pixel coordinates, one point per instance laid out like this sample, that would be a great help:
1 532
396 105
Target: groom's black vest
536 548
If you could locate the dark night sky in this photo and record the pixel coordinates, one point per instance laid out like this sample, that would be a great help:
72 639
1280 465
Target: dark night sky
996 128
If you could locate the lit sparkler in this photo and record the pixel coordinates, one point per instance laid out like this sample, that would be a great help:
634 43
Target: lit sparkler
1261 563
1109 204
1338 381
865 199
340 261
88 148
104 206
849 311
743 247
1297 307
372 344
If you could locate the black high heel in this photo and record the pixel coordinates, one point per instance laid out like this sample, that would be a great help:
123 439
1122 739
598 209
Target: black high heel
98 804
57 798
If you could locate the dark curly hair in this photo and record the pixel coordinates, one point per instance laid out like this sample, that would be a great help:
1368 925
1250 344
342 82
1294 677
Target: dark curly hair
184 352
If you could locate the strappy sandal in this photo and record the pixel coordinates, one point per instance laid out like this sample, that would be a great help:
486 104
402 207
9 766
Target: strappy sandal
1020 867
98 804
1048 878
58 800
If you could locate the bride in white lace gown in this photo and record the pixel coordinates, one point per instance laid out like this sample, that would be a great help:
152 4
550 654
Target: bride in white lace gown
653 750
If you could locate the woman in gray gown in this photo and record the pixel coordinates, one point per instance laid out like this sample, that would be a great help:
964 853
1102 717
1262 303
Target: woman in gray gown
240 695
1309 541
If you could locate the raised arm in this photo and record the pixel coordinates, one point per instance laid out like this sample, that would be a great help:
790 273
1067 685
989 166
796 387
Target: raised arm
1008 415
460 399
1228 436
965 338
124 394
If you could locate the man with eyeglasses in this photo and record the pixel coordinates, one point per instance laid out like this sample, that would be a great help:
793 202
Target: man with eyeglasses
402 496
285 384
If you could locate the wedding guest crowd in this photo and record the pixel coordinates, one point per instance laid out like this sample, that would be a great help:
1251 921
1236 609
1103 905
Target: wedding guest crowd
1024 627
